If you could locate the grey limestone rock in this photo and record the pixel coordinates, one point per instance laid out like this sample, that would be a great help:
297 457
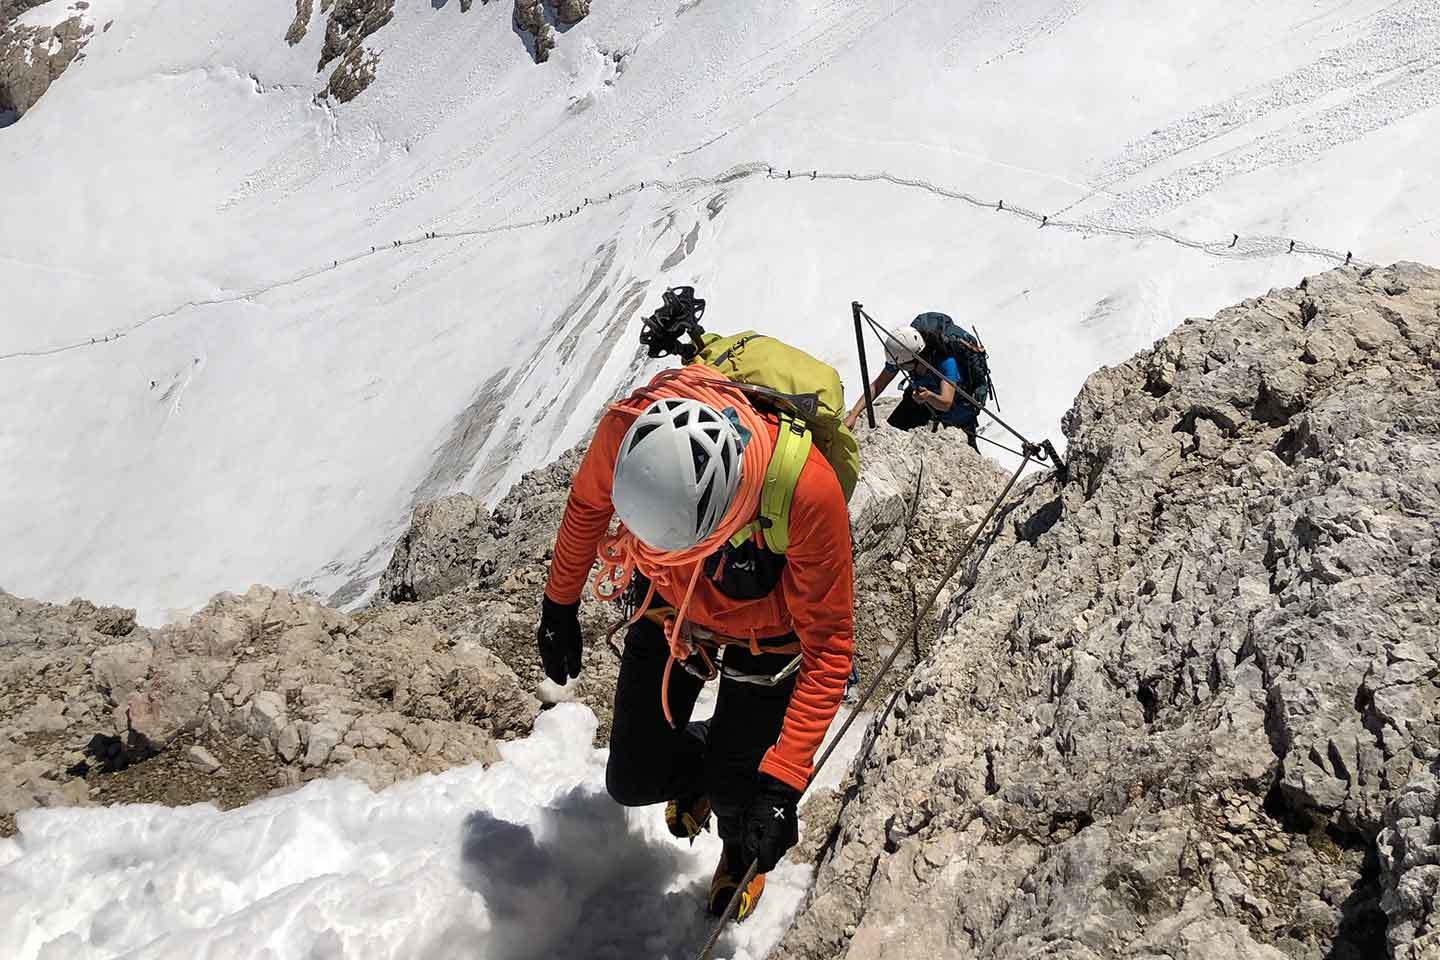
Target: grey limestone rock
1187 704
285 676
1409 850
202 759
438 551
32 58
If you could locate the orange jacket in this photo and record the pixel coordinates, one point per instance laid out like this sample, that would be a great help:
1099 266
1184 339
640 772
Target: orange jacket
815 597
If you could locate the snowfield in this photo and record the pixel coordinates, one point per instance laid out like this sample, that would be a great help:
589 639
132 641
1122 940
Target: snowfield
209 379
245 330
529 859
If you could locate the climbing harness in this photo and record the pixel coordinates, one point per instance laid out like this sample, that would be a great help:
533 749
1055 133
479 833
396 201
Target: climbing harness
704 658
1030 452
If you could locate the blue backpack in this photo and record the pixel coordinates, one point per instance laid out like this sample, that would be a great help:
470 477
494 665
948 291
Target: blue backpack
948 339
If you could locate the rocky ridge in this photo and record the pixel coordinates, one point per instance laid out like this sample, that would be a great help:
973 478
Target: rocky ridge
1188 708
32 57
94 709
539 20
348 25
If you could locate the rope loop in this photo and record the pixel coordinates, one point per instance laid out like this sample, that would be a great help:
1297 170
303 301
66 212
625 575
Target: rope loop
677 572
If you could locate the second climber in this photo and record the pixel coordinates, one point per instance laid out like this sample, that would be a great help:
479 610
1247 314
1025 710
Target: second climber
933 344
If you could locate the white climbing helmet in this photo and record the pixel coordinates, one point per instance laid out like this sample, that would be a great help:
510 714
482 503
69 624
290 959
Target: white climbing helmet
676 474
903 345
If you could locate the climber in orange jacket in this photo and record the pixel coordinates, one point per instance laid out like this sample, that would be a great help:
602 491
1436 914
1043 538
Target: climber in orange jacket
671 474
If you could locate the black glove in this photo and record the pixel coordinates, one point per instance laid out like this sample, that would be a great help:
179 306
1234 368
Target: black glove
771 827
559 639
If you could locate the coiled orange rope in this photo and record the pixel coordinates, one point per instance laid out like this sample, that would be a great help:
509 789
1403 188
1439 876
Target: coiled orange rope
622 553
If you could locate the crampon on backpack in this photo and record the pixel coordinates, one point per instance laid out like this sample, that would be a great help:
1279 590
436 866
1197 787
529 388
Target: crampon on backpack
805 393
949 339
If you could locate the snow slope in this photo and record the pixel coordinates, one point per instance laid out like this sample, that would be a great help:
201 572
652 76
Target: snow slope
528 859
265 398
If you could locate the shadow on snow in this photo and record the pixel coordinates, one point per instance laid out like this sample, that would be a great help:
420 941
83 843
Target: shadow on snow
584 883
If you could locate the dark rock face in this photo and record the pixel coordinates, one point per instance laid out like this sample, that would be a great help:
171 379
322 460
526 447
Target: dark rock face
350 23
537 20
304 9
1190 705
32 58
530 21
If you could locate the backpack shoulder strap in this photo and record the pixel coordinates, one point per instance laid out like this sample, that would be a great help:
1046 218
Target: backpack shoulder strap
792 449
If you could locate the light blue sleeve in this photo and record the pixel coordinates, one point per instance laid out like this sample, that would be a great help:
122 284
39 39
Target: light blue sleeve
950 370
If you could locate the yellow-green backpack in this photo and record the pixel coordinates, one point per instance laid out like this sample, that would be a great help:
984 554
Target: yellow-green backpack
810 399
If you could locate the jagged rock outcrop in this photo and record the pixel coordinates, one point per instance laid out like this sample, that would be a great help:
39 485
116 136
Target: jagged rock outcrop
278 687
455 540
31 58
438 552
533 21
1410 869
919 496
572 11
1189 690
304 10
530 21
478 574
349 24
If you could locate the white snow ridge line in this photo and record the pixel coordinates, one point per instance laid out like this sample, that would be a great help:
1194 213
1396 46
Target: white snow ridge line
1252 248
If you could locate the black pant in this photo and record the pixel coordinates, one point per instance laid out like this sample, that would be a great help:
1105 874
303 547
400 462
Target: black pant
651 763
910 413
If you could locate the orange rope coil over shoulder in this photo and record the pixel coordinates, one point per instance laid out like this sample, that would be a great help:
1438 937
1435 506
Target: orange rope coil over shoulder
622 553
